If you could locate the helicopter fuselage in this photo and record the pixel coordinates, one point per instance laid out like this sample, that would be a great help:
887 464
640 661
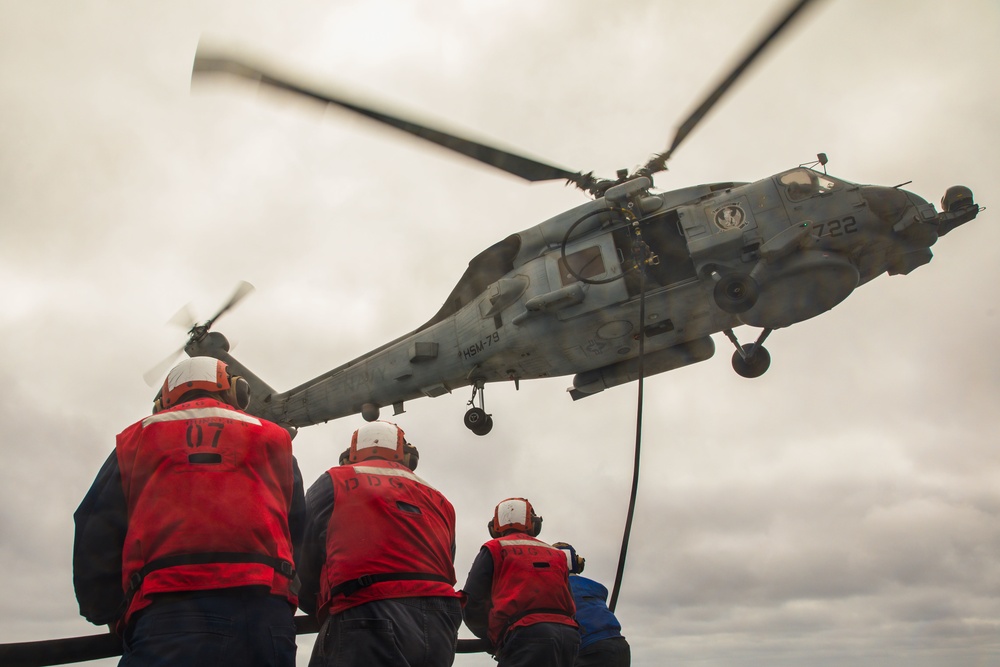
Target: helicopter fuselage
564 297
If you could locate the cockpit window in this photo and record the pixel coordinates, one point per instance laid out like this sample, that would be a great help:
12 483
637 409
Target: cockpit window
805 183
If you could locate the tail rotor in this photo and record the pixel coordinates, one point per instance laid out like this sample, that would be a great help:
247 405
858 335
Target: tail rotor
185 318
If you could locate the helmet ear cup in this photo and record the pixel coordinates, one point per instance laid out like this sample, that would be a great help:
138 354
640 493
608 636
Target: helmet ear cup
238 394
493 531
536 525
411 457
242 392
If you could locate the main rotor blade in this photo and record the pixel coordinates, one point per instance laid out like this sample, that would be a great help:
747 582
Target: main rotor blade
659 162
518 165
242 290
157 372
184 318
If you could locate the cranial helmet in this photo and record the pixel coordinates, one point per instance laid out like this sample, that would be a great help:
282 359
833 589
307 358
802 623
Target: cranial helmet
382 440
514 514
202 374
574 561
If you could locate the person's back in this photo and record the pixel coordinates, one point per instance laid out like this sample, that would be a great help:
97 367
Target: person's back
517 593
601 640
202 500
378 562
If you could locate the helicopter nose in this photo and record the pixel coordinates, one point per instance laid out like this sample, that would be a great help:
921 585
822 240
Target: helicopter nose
888 204
907 214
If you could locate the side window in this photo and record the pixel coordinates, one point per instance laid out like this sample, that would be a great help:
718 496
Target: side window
581 265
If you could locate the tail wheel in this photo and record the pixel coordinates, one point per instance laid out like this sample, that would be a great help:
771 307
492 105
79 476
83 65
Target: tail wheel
736 293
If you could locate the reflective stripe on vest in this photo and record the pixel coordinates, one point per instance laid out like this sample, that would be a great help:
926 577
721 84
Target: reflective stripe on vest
392 472
199 413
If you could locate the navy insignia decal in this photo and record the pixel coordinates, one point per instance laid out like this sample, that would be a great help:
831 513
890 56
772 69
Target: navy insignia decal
730 216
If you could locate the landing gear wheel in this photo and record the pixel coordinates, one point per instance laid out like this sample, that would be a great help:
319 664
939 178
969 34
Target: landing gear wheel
736 293
756 362
485 427
477 421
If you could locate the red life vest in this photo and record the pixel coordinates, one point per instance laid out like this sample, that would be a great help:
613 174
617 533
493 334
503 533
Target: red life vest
208 490
530 585
390 535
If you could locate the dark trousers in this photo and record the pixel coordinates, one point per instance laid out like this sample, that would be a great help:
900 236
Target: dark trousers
212 629
401 632
613 652
548 644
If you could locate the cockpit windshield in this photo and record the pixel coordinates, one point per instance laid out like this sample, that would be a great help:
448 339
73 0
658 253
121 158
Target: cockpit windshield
804 183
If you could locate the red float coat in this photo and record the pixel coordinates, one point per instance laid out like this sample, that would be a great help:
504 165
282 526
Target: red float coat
390 524
530 585
205 482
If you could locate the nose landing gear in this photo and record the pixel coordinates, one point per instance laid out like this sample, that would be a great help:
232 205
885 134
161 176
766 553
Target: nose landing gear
476 419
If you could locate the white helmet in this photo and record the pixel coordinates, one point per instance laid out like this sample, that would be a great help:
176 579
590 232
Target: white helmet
382 440
515 514
202 374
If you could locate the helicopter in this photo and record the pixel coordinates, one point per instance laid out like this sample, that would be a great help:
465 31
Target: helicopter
632 283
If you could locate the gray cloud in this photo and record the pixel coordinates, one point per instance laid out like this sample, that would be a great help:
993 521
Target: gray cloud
840 509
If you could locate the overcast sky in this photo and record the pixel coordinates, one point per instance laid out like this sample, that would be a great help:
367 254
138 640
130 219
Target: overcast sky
841 509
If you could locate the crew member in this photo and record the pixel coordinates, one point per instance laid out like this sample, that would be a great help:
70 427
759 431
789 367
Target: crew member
517 593
601 640
377 563
184 543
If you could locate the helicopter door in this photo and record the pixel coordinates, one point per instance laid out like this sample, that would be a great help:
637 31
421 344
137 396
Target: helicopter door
590 269
671 262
